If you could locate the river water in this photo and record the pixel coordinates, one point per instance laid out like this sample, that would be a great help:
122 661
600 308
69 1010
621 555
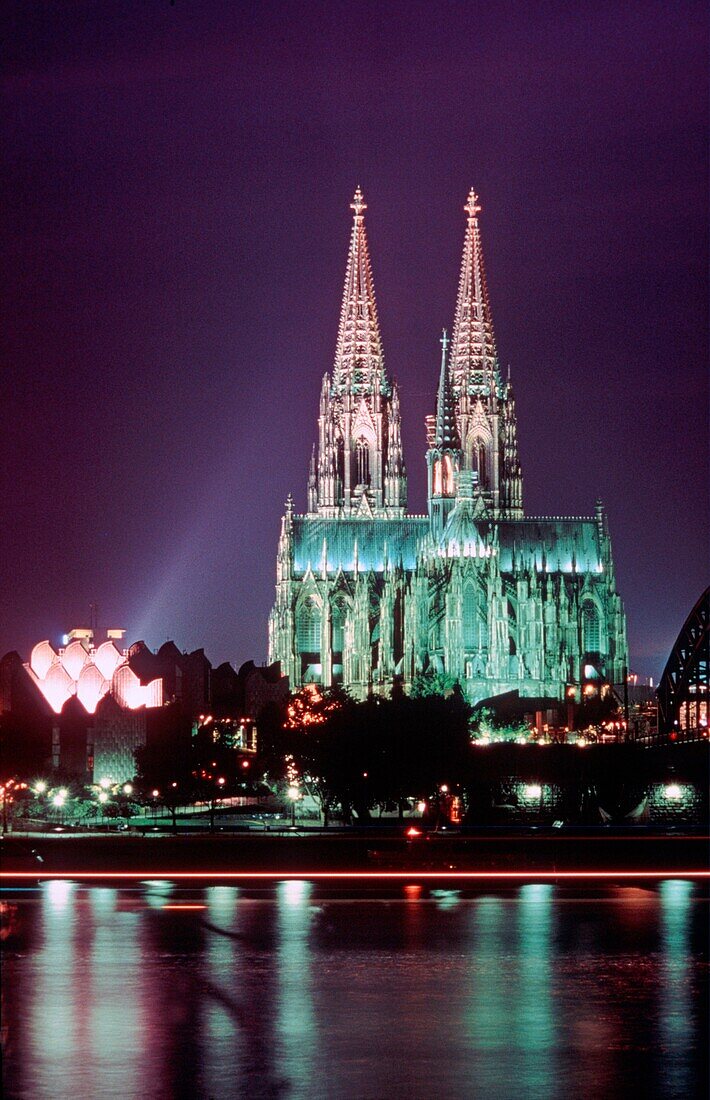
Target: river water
296 990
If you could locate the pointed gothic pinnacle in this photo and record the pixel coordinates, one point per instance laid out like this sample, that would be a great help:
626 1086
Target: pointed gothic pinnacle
473 206
358 204
473 349
447 433
358 353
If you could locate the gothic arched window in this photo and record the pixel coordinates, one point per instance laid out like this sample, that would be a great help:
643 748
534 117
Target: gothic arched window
338 623
362 462
591 628
339 469
470 618
479 460
447 476
482 631
481 465
308 625
436 478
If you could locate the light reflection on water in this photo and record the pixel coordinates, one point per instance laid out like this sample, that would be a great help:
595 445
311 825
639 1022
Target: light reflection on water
298 991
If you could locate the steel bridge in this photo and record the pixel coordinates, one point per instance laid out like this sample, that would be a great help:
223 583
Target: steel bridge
683 688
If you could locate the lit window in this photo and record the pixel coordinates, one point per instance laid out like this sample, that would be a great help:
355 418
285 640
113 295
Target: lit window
591 628
308 628
362 462
338 619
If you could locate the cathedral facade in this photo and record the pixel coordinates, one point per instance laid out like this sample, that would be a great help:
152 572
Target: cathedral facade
369 596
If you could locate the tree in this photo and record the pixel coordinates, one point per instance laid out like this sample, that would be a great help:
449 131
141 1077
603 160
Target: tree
433 683
383 751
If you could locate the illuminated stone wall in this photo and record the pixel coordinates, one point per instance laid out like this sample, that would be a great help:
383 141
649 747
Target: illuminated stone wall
677 803
117 733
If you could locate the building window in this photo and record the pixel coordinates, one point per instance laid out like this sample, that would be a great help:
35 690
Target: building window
447 479
338 621
479 462
362 462
482 471
436 478
340 463
482 632
470 631
475 624
308 628
591 628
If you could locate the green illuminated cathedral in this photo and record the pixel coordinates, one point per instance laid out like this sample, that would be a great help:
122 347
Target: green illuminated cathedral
369 596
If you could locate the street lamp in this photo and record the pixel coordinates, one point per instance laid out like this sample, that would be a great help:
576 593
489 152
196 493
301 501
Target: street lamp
294 794
58 801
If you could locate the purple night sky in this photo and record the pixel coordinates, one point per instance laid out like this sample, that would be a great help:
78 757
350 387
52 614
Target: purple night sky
176 189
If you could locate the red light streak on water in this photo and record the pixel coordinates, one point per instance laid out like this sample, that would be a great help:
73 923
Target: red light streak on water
176 906
345 876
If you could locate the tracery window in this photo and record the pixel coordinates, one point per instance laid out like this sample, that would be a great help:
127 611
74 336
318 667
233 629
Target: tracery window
479 461
436 478
481 465
308 626
470 626
482 631
591 628
447 476
340 464
338 623
362 462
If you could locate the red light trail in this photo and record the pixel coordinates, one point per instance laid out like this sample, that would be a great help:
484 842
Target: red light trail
357 876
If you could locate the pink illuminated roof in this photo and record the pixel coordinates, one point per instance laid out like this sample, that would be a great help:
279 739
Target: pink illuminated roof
89 675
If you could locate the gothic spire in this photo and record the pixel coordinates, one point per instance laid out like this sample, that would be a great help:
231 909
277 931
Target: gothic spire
473 351
447 433
359 365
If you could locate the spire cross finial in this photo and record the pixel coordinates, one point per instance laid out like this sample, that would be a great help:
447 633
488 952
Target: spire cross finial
473 206
358 204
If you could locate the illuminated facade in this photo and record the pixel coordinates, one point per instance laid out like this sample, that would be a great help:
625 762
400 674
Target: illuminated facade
370 596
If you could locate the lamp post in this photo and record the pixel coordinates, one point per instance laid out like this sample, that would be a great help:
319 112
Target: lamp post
294 794
58 803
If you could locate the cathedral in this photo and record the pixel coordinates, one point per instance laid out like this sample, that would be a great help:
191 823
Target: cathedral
372 597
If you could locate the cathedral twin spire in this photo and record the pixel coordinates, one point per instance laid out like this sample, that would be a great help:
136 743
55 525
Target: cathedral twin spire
473 353
359 362
359 468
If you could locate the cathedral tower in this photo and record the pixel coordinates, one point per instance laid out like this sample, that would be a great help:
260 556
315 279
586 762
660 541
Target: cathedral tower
372 597
485 407
359 467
